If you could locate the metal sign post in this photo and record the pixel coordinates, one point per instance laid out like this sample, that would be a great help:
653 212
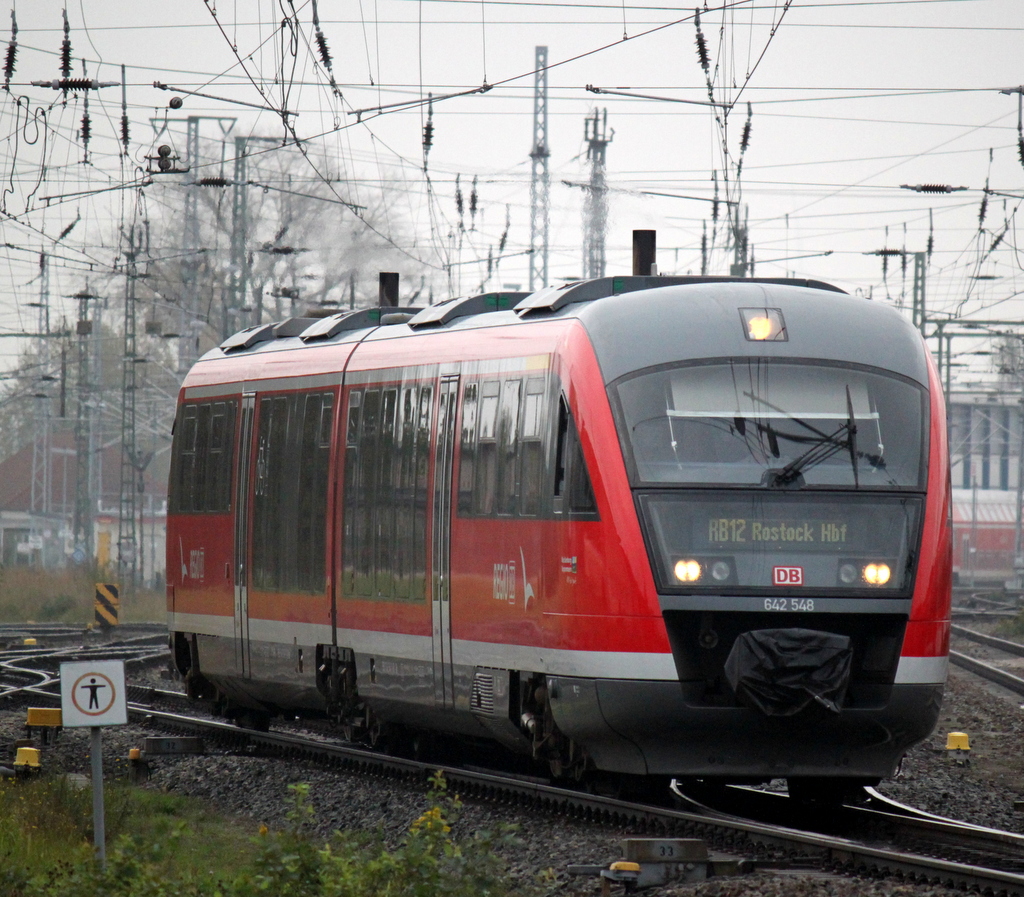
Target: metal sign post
92 694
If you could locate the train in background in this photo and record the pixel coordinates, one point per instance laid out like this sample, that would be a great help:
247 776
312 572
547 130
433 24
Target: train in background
984 538
644 526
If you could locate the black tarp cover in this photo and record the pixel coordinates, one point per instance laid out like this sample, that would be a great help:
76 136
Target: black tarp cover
781 671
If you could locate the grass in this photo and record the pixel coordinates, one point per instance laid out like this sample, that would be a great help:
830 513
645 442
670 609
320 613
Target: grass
67 596
46 824
1012 628
161 845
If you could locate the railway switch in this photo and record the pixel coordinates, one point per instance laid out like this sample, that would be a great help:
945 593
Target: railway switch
649 862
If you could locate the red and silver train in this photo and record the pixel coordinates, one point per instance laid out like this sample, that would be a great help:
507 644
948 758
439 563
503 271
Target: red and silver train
651 526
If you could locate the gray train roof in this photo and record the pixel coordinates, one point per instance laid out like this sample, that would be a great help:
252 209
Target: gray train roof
640 322
667 324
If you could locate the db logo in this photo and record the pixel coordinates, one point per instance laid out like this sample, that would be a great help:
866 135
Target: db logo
787 576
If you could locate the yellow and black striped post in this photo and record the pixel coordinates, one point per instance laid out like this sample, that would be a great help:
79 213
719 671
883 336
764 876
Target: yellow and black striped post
107 604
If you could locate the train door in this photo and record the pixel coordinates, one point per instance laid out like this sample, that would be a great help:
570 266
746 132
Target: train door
441 543
241 551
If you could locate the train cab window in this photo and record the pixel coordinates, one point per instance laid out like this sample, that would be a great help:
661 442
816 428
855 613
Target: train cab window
202 458
772 424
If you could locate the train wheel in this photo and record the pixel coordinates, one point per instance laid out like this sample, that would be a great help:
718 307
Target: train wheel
258 720
823 791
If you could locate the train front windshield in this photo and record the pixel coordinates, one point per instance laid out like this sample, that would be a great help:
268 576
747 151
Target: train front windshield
755 473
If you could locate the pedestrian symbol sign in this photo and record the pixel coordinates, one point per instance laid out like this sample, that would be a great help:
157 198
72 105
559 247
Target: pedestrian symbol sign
92 693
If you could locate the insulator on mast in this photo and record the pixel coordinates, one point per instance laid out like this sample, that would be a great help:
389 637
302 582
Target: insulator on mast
65 49
12 53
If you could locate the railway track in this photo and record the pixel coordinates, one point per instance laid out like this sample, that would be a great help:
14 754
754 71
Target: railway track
871 836
989 671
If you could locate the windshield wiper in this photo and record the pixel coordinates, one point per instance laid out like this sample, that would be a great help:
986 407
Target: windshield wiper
822 450
851 436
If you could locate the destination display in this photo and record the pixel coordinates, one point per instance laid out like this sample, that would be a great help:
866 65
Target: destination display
740 529
721 539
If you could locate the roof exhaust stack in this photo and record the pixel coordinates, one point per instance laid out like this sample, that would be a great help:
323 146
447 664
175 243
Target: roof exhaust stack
644 252
388 290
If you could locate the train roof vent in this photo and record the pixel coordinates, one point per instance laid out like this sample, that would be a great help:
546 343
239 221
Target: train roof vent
262 333
332 325
463 307
246 339
552 299
292 327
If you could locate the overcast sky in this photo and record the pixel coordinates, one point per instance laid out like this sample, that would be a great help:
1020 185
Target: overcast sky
848 101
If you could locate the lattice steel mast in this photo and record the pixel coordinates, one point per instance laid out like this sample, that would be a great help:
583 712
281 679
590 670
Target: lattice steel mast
540 184
595 202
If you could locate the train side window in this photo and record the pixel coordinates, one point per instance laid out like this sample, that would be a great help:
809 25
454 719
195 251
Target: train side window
486 483
467 449
405 490
350 530
384 498
573 489
313 470
365 512
508 433
202 457
218 478
186 461
269 525
531 449
419 545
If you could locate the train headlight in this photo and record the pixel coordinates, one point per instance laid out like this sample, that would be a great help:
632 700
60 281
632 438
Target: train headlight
877 574
760 324
688 571
720 571
847 574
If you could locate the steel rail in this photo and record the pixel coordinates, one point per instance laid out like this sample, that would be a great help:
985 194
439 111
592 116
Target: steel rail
992 641
987 671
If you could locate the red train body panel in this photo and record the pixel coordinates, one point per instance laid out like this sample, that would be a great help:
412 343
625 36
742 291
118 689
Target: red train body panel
545 527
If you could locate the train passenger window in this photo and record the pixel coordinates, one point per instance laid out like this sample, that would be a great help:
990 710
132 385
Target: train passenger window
385 495
486 483
289 508
365 505
184 497
314 460
467 449
508 446
218 476
350 530
419 544
202 458
384 498
531 448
